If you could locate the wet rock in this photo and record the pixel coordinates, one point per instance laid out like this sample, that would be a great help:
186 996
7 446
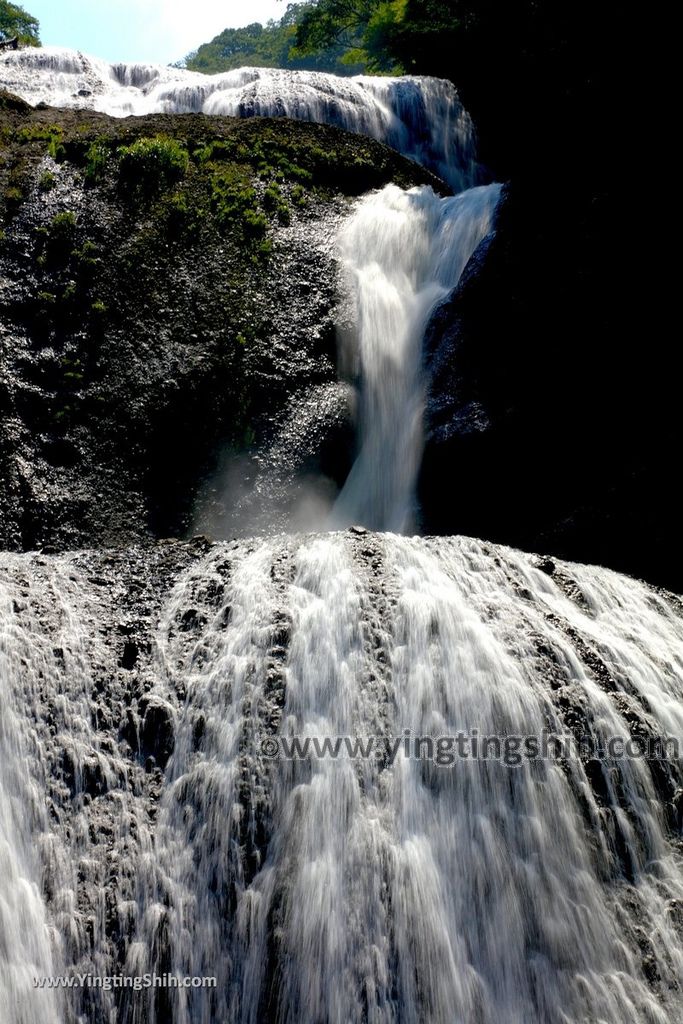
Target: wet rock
69 769
198 731
544 447
595 773
129 729
129 656
281 634
94 781
678 807
192 620
202 542
157 731
113 413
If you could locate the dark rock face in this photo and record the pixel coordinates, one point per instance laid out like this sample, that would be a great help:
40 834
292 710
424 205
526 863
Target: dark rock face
153 356
552 415
156 733
156 322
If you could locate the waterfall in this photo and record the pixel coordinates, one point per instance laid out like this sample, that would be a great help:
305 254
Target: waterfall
333 889
313 769
25 936
415 893
420 117
404 252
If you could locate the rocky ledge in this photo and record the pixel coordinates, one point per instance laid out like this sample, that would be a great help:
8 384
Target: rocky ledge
167 300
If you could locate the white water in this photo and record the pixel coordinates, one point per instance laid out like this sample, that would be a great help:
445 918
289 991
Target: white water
334 891
25 938
404 252
420 117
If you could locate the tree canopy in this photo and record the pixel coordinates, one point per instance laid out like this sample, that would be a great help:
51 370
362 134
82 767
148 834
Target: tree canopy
16 22
366 28
272 46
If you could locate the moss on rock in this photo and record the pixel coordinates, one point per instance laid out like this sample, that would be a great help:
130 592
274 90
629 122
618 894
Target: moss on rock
160 304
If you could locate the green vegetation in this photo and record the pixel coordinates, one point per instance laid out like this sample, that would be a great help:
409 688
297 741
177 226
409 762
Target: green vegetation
150 165
15 22
400 36
171 246
56 250
227 184
50 133
86 263
433 36
56 150
299 159
274 203
248 178
56 241
269 156
184 213
273 45
39 133
16 184
346 37
72 371
67 296
47 181
366 29
96 160
62 231
13 197
235 204
87 255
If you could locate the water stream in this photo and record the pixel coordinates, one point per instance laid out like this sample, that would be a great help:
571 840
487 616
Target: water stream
153 818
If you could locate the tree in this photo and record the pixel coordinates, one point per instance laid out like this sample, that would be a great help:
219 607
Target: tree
16 22
271 46
361 27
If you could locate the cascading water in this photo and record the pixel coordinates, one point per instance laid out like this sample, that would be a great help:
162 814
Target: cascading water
25 937
377 888
420 117
404 252
153 820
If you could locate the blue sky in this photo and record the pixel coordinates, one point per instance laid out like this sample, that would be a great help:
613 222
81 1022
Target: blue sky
154 31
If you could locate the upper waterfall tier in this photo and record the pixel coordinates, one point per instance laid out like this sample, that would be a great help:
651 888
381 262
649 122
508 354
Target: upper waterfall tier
403 251
422 118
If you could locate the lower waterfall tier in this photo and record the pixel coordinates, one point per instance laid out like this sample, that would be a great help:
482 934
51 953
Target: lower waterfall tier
209 770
